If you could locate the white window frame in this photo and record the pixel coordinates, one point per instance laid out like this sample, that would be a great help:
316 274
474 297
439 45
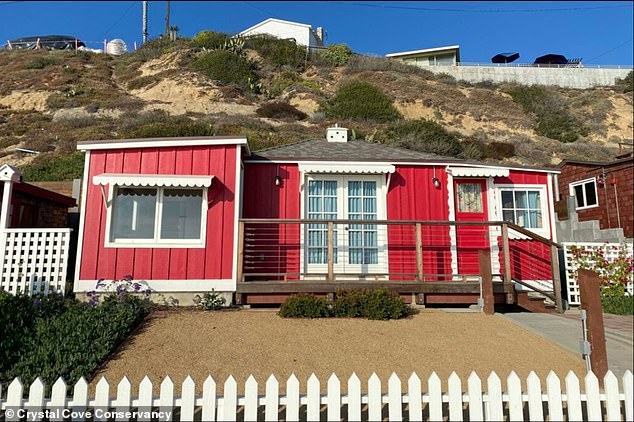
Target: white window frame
571 187
543 231
156 242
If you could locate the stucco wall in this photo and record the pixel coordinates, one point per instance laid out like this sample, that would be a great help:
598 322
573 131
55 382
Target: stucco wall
571 77
300 34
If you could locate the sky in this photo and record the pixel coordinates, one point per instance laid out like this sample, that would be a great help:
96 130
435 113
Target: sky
598 32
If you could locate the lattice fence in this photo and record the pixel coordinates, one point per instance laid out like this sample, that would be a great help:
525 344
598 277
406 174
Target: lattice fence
610 250
34 261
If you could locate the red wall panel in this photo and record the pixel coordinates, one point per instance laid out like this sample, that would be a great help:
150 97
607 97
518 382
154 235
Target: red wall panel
215 261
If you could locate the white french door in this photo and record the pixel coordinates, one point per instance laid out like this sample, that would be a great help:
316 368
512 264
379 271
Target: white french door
358 248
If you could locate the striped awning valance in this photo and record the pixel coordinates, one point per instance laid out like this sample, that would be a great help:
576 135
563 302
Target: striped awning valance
152 180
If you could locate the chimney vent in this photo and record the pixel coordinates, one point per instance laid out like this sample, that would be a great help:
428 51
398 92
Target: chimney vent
319 34
337 134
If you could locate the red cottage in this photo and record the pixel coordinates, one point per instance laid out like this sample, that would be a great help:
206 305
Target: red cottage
316 216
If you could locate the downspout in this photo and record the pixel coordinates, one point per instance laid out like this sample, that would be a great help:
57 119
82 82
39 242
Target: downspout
605 192
616 200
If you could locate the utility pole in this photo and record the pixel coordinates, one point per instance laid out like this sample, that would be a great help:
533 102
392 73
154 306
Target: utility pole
144 22
167 18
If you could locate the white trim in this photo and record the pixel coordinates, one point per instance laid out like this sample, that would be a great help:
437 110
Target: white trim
571 187
551 207
8 173
401 163
153 180
223 285
545 230
345 168
82 220
157 242
448 48
453 237
161 143
494 231
478 172
237 203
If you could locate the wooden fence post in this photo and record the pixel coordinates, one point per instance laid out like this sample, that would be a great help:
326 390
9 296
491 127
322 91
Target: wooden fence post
484 258
590 291
331 254
554 262
506 253
419 252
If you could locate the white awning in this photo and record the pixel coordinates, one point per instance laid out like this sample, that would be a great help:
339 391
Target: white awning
478 172
347 168
152 180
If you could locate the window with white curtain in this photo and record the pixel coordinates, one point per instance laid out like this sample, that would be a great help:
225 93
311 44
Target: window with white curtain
524 207
157 216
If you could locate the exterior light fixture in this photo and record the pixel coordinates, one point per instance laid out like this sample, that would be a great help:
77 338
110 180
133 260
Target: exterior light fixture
436 182
278 180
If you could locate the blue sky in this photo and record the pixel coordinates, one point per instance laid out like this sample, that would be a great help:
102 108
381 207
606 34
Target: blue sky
599 32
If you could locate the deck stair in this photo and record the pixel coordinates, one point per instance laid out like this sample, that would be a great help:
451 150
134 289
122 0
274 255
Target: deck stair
535 302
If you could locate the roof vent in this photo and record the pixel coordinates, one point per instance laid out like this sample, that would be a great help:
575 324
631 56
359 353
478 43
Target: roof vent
337 134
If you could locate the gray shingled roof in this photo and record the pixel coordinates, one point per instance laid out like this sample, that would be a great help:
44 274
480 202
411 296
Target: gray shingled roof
322 150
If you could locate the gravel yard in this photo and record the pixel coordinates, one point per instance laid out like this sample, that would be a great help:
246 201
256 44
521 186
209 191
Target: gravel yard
188 342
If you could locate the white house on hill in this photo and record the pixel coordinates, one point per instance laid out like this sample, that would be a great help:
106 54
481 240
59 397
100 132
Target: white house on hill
449 55
301 33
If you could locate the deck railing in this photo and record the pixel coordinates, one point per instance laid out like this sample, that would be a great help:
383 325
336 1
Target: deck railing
34 261
335 250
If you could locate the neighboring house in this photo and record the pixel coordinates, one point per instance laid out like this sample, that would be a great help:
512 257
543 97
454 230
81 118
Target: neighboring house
438 56
601 197
301 33
193 214
34 235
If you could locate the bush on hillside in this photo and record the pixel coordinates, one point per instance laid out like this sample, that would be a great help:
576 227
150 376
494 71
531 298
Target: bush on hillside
280 111
277 52
53 337
54 167
336 55
499 150
361 100
226 67
209 39
554 120
40 62
425 136
359 63
626 84
171 126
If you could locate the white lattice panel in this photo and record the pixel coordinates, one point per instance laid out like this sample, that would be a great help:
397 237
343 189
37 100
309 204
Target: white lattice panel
610 250
34 261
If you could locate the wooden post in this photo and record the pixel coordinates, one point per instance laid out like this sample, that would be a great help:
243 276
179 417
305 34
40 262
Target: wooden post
506 252
331 254
240 275
590 292
419 253
554 262
484 258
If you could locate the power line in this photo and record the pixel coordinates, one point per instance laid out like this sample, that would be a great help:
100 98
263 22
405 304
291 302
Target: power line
119 20
611 50
7 3
432 9
258 8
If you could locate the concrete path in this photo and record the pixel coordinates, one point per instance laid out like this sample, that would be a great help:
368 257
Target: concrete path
566 331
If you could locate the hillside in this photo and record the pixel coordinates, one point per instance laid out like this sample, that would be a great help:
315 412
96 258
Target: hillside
269 91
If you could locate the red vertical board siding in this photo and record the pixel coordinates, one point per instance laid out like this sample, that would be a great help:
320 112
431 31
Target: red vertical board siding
92 237
262 198
163 263
530 260
196 257
413 196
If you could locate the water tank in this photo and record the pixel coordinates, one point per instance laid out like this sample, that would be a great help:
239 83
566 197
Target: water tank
116 47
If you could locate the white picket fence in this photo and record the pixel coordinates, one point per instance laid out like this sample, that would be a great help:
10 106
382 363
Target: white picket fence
571 266
34 261
456 404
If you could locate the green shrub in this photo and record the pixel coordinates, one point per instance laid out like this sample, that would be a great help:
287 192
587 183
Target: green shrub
336 55
287 79
425 136
305 306
554 120
499 150
280 111
226 67
359 63
618 305
54 167
278 52
209 39
381 304
170 127
361 101
51 337
40 62
212 301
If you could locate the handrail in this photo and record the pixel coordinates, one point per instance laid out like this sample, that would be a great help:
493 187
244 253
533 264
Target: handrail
532 235
549 295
